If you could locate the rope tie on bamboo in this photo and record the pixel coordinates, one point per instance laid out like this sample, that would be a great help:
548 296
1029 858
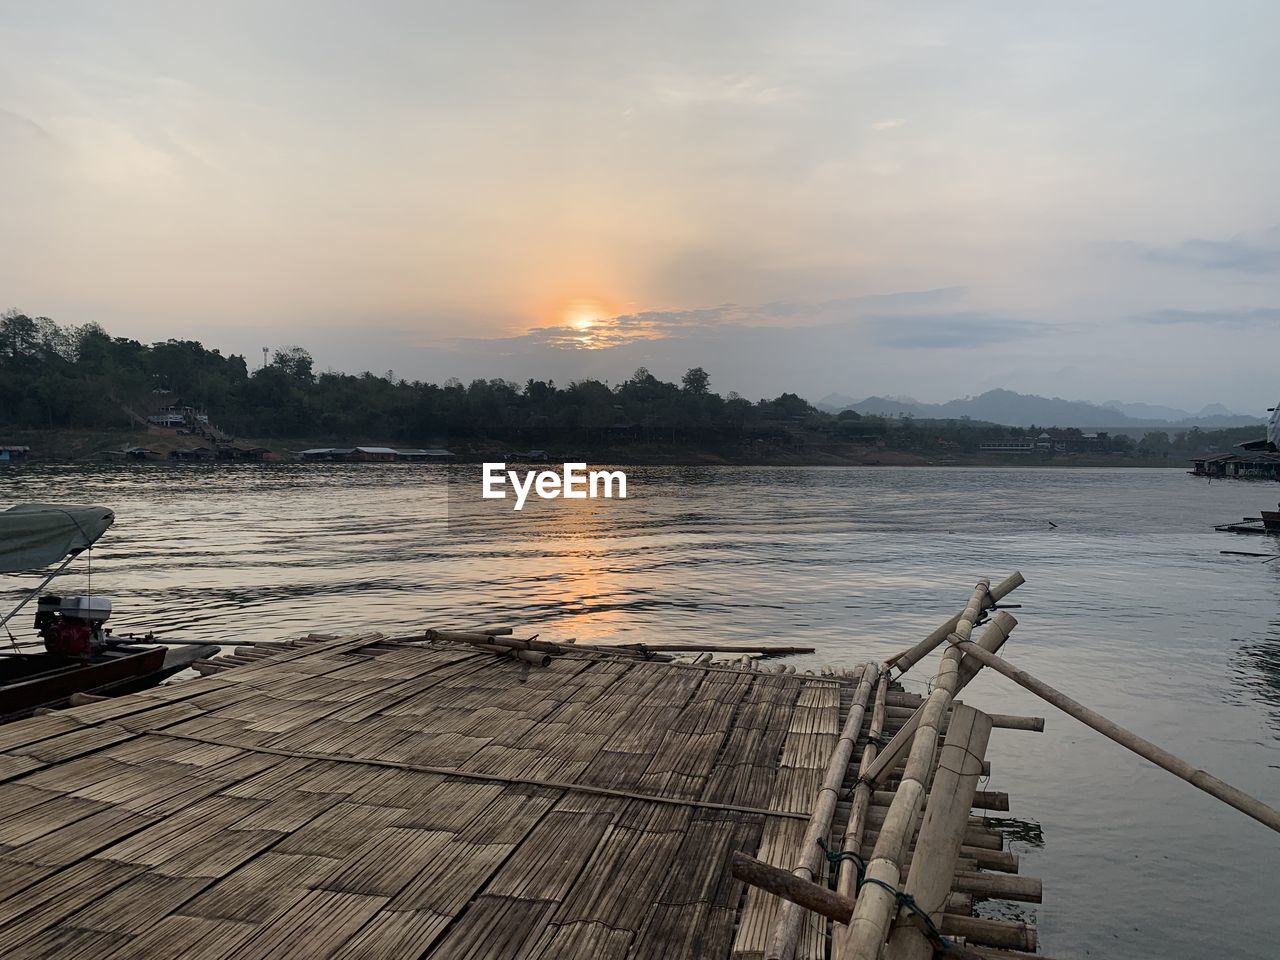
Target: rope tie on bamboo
834 857
904 900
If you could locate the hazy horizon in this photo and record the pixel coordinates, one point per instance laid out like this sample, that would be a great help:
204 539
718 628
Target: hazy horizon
859 199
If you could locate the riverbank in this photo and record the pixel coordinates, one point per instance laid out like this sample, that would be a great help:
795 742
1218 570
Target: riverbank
88 446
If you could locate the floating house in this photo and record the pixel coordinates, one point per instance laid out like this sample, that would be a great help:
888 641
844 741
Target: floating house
10 453
195 453
1258 466
243 453
374 454
430 453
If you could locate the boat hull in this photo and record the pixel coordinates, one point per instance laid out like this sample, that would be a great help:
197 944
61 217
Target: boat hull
28 682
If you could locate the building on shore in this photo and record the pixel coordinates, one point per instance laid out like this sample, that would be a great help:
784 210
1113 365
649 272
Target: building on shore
8 454
1017 445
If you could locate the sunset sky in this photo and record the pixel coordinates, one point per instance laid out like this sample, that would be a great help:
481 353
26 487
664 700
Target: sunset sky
929 199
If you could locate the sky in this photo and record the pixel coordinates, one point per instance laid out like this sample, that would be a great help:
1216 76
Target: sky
928 199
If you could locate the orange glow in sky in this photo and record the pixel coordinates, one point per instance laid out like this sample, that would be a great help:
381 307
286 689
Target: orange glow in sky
585 321
583 313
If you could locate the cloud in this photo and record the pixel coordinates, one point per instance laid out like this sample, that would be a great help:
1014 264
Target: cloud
889 124
730 317
950 330
1235 319
11 119
740 89
1257 254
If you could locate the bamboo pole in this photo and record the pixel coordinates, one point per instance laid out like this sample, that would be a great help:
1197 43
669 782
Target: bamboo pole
908 658
847 880
993 638
786 931
938 844
1126 738
877 901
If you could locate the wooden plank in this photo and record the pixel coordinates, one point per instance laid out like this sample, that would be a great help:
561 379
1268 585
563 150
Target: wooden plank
188 937
316 927
55 898
394 933
493 928
261 888
386 864
67 943
137 904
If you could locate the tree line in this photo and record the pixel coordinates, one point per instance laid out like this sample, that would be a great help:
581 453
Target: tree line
54 376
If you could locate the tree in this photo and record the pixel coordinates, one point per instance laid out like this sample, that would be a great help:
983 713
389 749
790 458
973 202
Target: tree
295 362
696 381
18 334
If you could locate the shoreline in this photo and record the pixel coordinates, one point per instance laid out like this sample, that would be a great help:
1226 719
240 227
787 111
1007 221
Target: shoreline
79 447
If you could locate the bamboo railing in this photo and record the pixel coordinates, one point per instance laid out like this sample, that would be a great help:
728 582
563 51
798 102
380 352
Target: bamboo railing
1144 748
878 901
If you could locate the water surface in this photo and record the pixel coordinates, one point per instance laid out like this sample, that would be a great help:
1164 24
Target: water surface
1129 606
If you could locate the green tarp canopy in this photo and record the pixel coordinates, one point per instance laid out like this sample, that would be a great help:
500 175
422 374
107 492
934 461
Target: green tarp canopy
37 535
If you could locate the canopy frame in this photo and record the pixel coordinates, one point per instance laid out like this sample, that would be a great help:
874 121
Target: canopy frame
58 546
43 583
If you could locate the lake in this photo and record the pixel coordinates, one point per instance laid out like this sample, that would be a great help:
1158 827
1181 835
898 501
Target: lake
1128 606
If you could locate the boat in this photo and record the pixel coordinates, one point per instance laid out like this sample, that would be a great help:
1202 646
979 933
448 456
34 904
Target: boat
1268 522
77 654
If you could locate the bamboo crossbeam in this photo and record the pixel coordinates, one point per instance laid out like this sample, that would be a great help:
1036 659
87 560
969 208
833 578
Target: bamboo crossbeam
991 799
1144 748
1009 721
1007 934
998 886
776 650
984 859
1001 721
837 907
461 774
786 931
993 637
477 638
942 831
877 902
908 658
997 800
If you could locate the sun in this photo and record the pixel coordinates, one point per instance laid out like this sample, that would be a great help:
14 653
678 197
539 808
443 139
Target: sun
583 314
586 322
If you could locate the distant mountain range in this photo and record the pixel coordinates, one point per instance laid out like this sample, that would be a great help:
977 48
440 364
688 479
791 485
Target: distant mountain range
1024 410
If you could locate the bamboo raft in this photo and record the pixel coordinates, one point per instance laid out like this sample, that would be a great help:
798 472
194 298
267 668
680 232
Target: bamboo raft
469 794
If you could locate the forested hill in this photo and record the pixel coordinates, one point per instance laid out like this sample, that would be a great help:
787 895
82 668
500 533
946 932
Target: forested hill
56 377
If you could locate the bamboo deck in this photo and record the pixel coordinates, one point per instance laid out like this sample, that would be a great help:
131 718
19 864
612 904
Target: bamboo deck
361 798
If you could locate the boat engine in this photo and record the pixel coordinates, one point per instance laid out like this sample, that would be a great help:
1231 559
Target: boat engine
72 626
